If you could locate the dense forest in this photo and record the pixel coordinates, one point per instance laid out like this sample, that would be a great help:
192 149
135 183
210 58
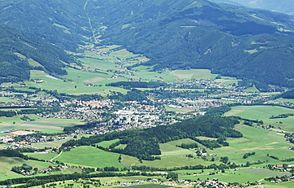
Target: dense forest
288 95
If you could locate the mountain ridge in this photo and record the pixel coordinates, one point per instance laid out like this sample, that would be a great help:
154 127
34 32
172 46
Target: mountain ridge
230 40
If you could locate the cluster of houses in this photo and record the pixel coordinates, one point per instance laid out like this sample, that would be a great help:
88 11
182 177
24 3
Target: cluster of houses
87 111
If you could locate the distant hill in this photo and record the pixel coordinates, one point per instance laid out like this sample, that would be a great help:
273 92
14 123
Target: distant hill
175 34
17 51
283 6
230 40
40 31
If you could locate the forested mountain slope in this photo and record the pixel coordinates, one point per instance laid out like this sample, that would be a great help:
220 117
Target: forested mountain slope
17 51
174 34
197 34
39 31
284 6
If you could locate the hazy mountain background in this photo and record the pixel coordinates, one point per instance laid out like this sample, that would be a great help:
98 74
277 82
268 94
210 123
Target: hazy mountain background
283 6
175 34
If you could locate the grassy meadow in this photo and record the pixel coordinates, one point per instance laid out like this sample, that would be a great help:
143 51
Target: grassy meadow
265 113
6 163
44 125
241 175
258 140
91 157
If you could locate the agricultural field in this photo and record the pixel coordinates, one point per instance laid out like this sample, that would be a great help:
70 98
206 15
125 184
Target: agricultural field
5 100
194 74
258 140
265 114
106 144
241 175
39 124
91 157
6 163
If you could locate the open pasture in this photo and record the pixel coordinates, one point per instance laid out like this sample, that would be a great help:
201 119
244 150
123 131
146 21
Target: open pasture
6 163
5 100
264 113
76 82
106 144
194 74
91 157
241 175
39 124
262 142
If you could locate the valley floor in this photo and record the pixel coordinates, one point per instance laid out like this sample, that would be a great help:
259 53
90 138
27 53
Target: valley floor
41 114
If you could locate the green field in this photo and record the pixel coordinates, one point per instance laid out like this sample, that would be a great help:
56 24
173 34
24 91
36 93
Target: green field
91 157
264 113
257 140
5 99
6 163
194 74
44 125
43 155
106 144
242 175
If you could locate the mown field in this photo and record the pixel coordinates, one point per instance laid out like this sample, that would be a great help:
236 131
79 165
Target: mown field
242 175
265 113
91 157
6 163
44 125
5 100
258 140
